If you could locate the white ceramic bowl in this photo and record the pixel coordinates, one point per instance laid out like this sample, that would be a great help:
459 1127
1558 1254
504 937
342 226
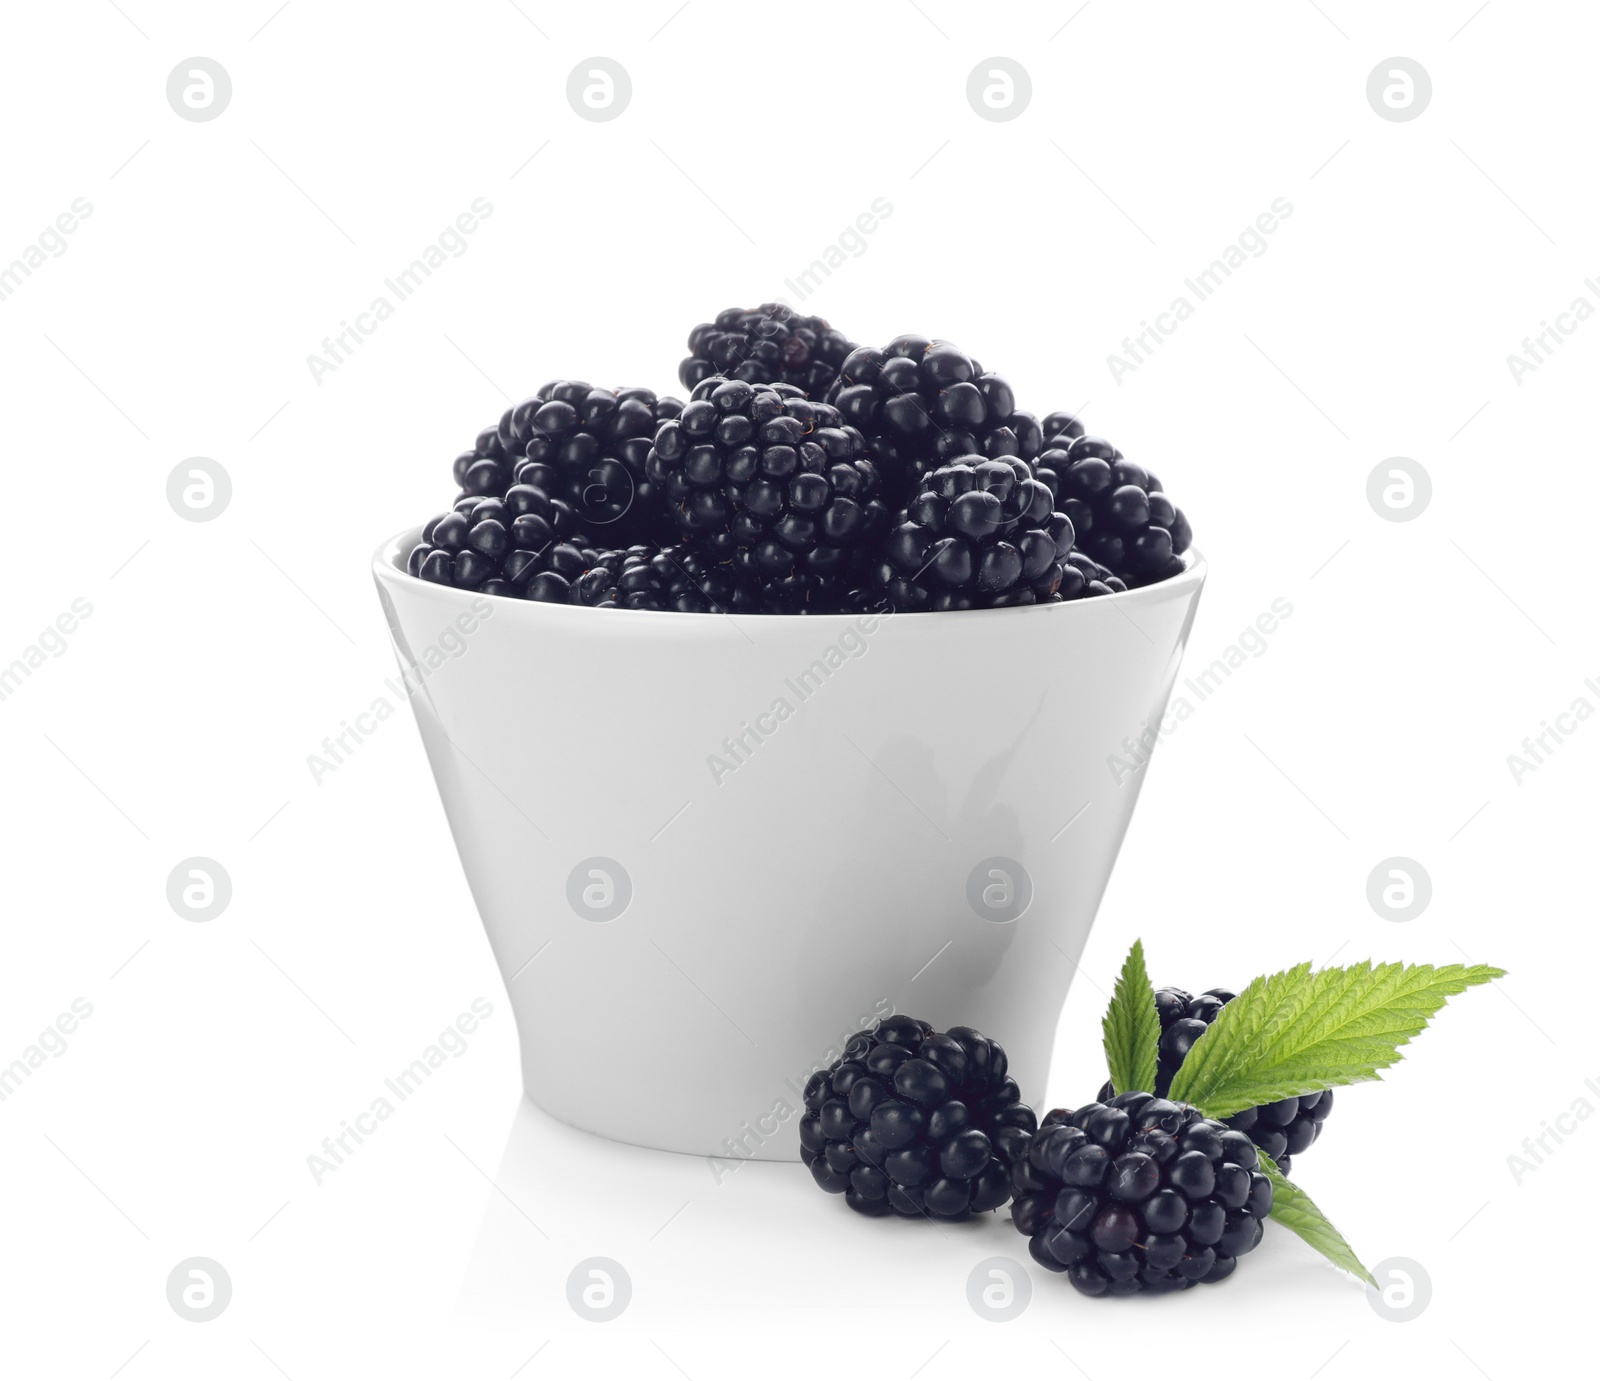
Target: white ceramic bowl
706 848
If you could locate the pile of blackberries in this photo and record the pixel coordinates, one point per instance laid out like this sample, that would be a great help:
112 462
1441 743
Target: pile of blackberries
806 475
1282 1129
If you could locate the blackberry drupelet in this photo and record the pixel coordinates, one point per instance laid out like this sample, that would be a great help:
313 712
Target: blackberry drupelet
979 534
921 402
1138 1194
1123 518
1283 1129
770 480
1061 424
773 344
916 1123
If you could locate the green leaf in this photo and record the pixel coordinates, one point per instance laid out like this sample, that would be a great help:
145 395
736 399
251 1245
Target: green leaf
1295 1032
1292 1207
1132 1028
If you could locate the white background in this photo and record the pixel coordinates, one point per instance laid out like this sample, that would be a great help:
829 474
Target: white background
178 720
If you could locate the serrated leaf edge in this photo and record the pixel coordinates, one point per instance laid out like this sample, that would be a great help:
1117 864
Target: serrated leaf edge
1131 1029
1355 1018
1339 1251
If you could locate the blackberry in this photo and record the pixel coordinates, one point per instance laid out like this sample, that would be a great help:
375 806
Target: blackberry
696 579
1095 579
643 576
921 402
1283 1129
916 1123
980 533
486 470
1015 436
499 545
1123 518
770 480
586 446
1138 1194
771 345
628 579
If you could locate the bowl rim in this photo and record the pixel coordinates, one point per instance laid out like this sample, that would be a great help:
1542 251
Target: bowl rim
388 564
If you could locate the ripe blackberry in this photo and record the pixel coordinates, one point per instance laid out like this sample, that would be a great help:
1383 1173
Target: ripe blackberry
771 345
1123 518
1083 576
771 480
979 534
1282 1129
696 579
621 580
921 402
486 470
1016 436
503 546
916 1123
1138 1194
1285 1128
586 446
